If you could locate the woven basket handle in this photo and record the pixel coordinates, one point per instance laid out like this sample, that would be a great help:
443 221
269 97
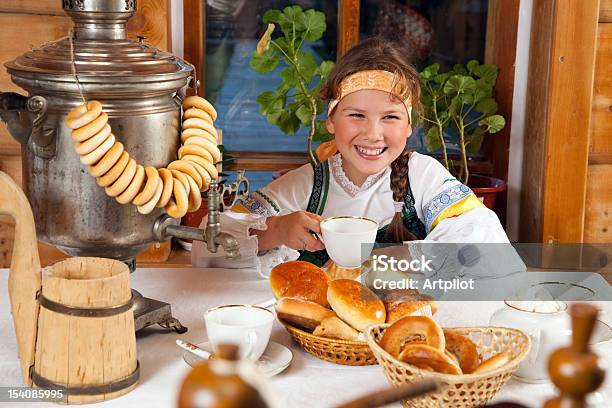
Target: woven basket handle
24 277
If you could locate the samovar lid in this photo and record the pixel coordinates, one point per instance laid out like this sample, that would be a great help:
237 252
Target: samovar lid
100 53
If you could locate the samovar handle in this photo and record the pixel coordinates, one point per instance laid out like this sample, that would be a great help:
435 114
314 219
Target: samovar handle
31 132
25 274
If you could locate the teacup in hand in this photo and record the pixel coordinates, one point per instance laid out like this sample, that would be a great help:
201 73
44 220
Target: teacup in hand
246 326
349 240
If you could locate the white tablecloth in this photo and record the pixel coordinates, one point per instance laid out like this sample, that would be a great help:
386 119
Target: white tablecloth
307 382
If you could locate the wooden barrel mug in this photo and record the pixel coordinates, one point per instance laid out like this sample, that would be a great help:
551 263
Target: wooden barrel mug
74 320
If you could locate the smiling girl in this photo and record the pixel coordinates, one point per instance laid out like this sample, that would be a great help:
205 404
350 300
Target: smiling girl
370 173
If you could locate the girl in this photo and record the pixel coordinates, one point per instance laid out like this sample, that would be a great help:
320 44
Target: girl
371 93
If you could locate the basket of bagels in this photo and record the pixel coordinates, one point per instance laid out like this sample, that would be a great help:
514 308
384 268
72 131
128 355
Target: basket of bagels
470 364
328 317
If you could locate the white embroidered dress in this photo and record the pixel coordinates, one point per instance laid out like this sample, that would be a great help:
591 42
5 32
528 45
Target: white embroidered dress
433 188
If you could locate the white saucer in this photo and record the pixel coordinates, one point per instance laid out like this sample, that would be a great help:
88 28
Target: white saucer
274 360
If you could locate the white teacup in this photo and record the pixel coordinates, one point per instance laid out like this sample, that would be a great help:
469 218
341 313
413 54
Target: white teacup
343 238
246 326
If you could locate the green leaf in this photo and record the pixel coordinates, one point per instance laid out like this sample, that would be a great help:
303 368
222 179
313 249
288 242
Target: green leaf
472 65
474 141
442 78
487 106
271 16
269 102
493 123
307 65
288 123
459 69
455 106
264 63
282 43
314 25
321 134
432 139
466 98
459 84
430 72
290 20
325 69
304 114
289 76
487 72
273 118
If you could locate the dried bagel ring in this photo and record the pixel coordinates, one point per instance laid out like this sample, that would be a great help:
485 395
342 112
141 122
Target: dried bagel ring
206 144
147 207
203 173
191 132
93 142
148 191
197 123
114 173
75 121
107 161
186 167
123 181
76 112
408 328
210 168
195 150
96 155
203 153
90 129
133 188
178 208
182 178
464 349
200 103
195 199
428 358
493 363
167 180
197 113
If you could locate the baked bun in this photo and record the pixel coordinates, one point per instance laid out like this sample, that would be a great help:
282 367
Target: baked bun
412 329
355 303
463 349
493 363
404 302
335 328
302 313
338 272
300 279
428 358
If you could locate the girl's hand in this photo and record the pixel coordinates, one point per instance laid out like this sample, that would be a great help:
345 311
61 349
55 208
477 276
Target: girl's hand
293 230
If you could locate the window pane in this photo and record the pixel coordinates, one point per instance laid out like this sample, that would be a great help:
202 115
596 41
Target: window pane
233 28
443 31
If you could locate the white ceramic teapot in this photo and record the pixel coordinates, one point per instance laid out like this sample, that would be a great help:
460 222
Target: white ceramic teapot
548 325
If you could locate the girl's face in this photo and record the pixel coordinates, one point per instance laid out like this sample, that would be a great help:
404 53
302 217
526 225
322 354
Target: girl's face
371 129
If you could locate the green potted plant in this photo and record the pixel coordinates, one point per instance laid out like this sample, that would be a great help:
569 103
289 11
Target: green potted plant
295 102
460 103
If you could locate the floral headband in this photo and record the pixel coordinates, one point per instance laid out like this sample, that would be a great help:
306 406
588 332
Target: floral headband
375 79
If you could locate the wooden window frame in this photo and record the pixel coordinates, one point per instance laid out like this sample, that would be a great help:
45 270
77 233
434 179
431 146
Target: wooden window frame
500 49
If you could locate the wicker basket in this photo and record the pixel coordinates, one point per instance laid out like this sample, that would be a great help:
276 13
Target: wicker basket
460 391
354 353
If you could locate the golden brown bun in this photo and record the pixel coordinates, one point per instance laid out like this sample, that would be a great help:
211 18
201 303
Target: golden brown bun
412 329
335 328
302 313
404 302
338 272
493 363
428 358
300 279
355 303
463 349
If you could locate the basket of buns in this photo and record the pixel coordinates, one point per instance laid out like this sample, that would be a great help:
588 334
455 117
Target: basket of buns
327 318
470 364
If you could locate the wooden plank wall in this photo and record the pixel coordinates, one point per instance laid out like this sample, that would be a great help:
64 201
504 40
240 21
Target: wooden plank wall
25 24
598 214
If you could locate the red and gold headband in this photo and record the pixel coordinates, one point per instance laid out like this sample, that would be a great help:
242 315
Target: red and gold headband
374 79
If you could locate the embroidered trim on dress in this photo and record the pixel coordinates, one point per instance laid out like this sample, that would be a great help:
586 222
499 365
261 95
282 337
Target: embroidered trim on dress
444 200
255 206
347 185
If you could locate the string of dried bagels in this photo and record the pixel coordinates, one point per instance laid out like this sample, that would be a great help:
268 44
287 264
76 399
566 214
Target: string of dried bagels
177 187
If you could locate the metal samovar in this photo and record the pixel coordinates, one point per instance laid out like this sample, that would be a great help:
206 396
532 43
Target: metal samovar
141 89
